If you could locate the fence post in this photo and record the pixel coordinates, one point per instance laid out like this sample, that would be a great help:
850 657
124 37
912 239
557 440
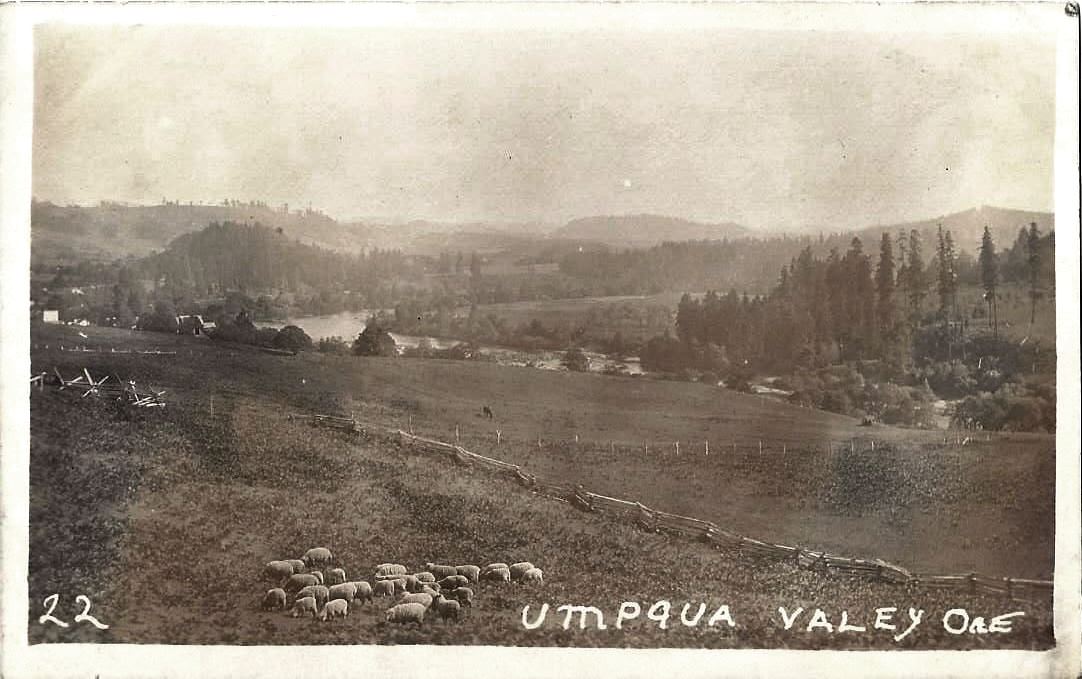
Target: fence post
410 428
783 449
457 439
539 443
676 445
498 433
612 448
760 446
707 444
646 447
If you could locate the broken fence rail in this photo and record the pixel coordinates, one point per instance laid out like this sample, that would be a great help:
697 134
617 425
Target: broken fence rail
118 389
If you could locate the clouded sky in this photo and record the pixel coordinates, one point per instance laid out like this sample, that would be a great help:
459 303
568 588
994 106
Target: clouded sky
769 129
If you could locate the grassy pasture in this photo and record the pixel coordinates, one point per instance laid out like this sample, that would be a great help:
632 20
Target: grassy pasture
164 518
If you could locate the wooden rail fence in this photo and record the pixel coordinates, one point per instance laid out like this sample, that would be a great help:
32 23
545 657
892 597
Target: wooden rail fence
717 537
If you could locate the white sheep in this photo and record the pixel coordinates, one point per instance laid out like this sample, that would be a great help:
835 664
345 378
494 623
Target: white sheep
304 607
463 595
364 591
336 576
339 608
448 609
497 575
533 576
318 576
318 556
298 565
278 570
422 598
343 590
319 592
390 569
452 581
425 576
440 571
493 566
518 569
403 613
299 581
472 573
430 588
274 600
383 588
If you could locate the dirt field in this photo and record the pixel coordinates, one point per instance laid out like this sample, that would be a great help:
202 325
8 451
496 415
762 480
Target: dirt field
164 518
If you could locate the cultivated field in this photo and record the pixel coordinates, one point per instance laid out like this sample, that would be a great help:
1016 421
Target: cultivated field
164 518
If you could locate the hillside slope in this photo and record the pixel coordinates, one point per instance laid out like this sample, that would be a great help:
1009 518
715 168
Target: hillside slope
188 506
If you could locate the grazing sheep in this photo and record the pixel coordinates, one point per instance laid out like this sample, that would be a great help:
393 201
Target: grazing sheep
440 571
518 569
364 591
304 607
274 600
425 576
492 567
448 609
452 581
343 590
390 569
339 608
299 581
336 576
497 575
534 576
298 565
278 570
403 613
463 595
423 599
318 575
383 588
472 573
318 556
430 588
319 592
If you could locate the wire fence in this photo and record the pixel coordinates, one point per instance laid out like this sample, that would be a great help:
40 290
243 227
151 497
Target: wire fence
661 522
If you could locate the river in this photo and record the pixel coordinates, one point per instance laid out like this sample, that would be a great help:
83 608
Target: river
348 324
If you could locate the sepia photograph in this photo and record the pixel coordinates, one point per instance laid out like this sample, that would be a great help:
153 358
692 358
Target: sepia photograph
596 327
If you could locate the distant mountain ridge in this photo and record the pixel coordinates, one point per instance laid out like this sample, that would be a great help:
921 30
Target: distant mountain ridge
967 227
645 230
112 230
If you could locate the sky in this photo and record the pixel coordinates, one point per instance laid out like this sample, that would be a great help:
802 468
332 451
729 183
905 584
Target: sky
773 130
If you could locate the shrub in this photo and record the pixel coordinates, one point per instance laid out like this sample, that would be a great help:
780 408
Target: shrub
293 338
333 345
374 341
575 360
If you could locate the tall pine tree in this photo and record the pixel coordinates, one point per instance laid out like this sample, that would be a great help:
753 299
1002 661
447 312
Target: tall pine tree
989 266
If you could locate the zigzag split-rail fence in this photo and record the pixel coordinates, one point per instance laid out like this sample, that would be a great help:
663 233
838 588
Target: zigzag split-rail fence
657 521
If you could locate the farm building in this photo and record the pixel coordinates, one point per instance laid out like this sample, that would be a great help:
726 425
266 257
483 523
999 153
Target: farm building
190 325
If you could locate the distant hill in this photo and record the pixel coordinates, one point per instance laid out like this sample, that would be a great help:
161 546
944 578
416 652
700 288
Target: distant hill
967 227
645 230
111 230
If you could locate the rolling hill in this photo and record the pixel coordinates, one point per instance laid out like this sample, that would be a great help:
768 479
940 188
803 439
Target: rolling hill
644 230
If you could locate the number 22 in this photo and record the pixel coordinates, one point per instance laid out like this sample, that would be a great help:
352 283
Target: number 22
50 603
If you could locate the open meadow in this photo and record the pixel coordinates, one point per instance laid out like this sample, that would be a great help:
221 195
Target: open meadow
165 517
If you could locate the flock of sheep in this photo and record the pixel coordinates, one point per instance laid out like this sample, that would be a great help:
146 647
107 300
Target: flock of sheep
440 590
